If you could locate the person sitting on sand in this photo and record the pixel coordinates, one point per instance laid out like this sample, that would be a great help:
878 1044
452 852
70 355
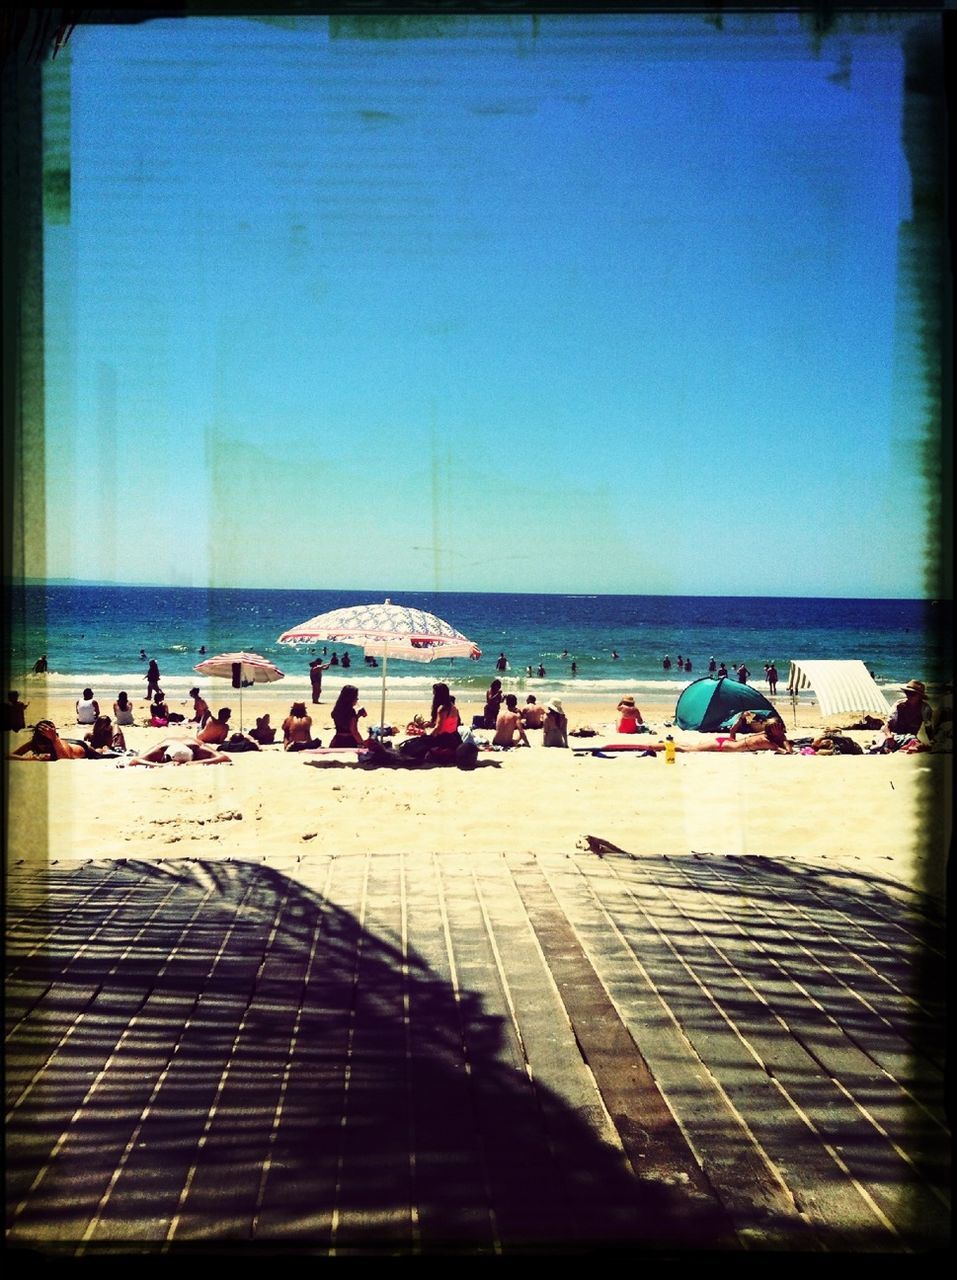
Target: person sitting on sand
629 715
264 732
216 728
555 726
159 712
493 704
297 730
913 712
180 751
442 730
123 709
14 717
532 714
444 720
103 737
508 724
46 744
87 708
345 717
201 711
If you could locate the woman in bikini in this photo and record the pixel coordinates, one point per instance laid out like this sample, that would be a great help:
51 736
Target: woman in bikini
297 730
493 703
772 737
104 738
346 719
46 744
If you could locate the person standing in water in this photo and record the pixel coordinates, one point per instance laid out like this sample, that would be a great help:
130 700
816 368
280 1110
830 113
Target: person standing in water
316 668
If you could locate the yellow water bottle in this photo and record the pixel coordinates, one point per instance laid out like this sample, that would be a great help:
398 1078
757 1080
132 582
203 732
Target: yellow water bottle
669 750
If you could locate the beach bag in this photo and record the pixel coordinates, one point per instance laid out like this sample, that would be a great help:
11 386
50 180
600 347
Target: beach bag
415 749
466 753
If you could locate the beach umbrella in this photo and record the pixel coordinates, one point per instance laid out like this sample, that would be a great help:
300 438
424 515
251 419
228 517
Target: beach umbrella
242 669
385 631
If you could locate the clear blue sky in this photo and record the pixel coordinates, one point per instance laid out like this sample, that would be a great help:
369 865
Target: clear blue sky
559 304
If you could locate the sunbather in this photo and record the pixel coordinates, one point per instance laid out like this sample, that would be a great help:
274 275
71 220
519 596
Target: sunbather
508 724
297 730
181 751
772 737
346 719
264 732
46 744
104 738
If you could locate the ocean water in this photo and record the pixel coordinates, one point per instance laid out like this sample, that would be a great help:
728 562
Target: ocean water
92 635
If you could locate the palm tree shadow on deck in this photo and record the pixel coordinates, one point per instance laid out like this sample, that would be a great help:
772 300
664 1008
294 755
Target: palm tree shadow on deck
208 1051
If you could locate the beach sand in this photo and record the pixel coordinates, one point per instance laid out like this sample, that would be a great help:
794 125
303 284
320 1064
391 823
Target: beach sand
887 815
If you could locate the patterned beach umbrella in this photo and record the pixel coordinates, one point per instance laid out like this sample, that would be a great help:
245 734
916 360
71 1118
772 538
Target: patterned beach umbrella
385 631
242 669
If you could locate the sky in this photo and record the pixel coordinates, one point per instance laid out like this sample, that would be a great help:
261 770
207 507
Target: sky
594 303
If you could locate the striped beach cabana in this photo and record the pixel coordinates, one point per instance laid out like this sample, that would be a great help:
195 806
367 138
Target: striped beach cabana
841 687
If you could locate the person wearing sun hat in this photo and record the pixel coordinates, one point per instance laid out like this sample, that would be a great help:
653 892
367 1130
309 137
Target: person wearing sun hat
913 712
555 725
629 715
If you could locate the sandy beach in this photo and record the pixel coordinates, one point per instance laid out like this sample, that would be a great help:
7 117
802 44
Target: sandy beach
256 991
890 815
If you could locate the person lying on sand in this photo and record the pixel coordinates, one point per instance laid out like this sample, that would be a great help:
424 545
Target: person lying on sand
771 738
180 751
46 744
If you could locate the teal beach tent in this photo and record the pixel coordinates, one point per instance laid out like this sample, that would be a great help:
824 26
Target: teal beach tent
707 703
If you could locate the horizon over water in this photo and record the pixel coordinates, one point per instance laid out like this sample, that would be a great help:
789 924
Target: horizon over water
91 631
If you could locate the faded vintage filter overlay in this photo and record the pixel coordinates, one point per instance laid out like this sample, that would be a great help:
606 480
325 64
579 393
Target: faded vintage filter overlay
584 304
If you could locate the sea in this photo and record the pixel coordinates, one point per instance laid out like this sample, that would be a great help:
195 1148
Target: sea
93 636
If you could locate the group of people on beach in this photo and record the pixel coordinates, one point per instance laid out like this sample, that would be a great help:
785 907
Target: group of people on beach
912 725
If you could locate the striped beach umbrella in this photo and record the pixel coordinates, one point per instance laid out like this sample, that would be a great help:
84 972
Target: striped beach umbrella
242 669
385 631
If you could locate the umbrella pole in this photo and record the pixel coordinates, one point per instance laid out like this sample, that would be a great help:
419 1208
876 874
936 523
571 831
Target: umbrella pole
385 667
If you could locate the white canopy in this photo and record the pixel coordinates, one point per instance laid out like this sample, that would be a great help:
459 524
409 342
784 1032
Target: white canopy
844 686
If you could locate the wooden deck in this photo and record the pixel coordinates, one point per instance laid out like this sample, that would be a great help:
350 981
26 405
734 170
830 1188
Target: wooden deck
489 1054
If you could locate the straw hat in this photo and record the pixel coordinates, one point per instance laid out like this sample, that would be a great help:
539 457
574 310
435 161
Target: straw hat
917 686
627 701
555 706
